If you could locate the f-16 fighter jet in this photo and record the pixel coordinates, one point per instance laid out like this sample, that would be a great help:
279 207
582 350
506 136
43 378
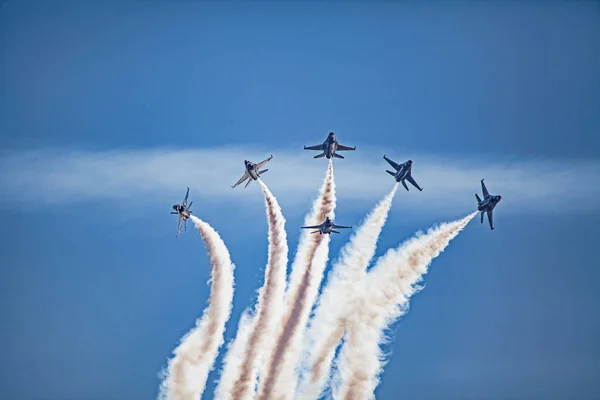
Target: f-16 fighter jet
252 171
403 172
326 227
184 212
488 204
329 147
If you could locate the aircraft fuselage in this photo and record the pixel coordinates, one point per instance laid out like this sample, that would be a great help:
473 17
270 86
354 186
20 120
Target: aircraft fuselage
489 203
251 168
327 227
181 211
402 173
329 146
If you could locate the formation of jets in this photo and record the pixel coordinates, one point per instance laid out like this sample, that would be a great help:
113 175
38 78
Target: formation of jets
329 149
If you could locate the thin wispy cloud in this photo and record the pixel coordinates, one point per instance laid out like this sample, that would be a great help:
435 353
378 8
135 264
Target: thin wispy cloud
161 174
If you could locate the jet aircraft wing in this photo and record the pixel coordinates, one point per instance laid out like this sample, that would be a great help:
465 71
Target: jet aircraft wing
186 197
262 163
484 189
312 227
393 164
315 147
179 227
344 148
242 179
490 214
340 226
413 182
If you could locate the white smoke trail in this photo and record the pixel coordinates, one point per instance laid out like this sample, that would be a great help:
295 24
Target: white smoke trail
251 343
307 271
337 301
188 370
385 296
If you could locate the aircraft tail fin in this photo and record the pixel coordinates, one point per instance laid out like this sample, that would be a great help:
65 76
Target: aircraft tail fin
336 155
263 171
478 198
404 184
390 172
319 155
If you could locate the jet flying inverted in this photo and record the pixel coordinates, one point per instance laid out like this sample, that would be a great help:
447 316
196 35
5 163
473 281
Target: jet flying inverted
326 227
184 211
488 204
403 172
329 147
252 171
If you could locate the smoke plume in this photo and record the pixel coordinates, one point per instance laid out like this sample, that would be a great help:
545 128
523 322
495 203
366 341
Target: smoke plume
385 296
307 272
337 301
188 370
252 342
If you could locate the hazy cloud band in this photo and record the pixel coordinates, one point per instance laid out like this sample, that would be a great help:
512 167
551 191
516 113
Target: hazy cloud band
151 175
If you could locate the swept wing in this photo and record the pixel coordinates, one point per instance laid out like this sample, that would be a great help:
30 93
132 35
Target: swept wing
393 164
484 189
312 227
341 147
179 226
242 179
262 163
490 215
186 198
315 147
413 182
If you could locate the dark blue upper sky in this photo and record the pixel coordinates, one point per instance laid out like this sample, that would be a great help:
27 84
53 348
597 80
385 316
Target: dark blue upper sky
94 296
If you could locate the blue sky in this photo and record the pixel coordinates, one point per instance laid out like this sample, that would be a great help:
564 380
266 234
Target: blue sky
107 112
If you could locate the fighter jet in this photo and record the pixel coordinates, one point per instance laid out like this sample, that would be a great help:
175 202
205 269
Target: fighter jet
488 204
252 171
184 212
326 227
403 172
329 147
